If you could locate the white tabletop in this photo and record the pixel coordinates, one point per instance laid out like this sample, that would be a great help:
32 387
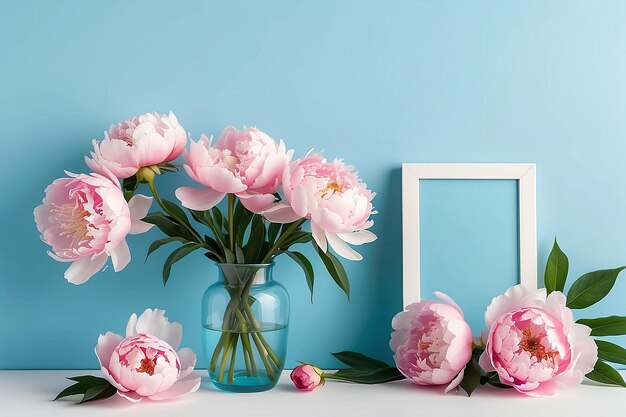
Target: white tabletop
28 393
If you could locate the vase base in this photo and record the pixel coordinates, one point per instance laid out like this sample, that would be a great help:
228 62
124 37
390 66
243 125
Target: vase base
245 383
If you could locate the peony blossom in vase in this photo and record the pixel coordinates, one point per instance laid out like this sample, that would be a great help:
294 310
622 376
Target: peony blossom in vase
268 198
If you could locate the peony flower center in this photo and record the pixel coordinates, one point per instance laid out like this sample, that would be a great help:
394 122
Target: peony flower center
331 188
72 219
147 366
532 345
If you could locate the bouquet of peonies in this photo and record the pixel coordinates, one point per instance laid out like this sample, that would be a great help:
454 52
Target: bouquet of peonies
531 342
85 218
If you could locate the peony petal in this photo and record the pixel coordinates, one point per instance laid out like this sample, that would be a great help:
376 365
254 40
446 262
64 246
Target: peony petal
106 345
130 396
120 256
187 361
342 248
447 299
182 387
514 298
199 198
359 237
139 206
84 268
485 362
319 236
281 213
256 203
455 382
155 323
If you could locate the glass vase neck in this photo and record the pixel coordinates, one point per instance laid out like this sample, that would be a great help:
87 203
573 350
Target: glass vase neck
235 275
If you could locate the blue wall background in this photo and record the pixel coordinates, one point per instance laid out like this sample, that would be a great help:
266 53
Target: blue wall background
375 82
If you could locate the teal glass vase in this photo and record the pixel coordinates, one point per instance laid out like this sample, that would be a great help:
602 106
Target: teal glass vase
245 320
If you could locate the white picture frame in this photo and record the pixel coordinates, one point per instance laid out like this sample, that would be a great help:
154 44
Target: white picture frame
413 173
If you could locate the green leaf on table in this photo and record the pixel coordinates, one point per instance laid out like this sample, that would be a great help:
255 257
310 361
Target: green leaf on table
611 352
606 326
493 379
358 360
92 388
366 376
605 374
556 269
98 393
471 377
306 266
335 269
160 242
176 256
592 287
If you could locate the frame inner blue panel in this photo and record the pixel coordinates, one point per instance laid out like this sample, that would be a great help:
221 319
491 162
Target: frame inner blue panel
469 236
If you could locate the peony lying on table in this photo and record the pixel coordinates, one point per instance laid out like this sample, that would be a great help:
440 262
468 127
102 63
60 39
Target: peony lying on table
144 364
531 342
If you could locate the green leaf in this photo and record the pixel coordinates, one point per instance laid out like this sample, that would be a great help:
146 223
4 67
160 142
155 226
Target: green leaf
241 258
358 360
611 352
242 222
471 377
176 256
592 287
75 389
130 184
256 239
605 374
89 380
556 269
367 376
98 393
606 326
272 232
160 242
306 266
296 237
335 269
177 212
166 224
92 388
493 379
219 218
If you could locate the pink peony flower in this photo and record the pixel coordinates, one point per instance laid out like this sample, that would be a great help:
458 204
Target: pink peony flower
333 197
141 141
431 342
534 344
249 164
85 219
146 363
306 377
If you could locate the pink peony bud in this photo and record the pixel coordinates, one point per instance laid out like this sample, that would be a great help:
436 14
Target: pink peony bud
306 377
